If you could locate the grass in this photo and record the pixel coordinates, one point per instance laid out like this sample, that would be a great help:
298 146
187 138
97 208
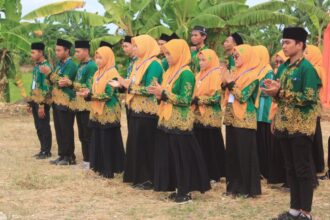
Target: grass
33 190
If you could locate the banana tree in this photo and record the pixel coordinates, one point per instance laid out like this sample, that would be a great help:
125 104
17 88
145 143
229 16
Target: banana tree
313 14
16 35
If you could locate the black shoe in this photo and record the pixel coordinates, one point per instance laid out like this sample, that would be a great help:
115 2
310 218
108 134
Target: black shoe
172 196
37 155
44 155
286 216
67 161
55 162
326 176
302 216
183 199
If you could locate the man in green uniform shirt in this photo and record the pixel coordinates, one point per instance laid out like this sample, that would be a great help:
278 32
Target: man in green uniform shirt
233 40
62 94
84 77
39 101
198 38
295 89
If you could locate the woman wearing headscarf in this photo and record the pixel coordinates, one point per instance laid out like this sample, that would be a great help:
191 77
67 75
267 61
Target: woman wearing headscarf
179 162
276 168
143 117
107 153
208 115
241 94
314 55
263 123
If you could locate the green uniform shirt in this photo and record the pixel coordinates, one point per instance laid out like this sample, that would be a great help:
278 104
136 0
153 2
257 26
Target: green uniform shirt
165 64
195 60
63 95
84 78
180 97
265 101
39 88
297 99
231 62
143 101
129 66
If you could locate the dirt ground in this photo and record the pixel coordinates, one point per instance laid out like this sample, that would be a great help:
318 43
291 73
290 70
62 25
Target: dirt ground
34 189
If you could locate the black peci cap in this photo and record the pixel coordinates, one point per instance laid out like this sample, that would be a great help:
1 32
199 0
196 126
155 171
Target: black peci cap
82 44
64 43
105 44
38 46
237 38
295 33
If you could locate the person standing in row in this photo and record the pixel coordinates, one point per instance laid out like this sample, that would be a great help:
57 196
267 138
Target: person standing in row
131 58
39 100
146 70
264 134
314 55
295 89
276 166
208 114
232 41
62 94
241 94
179 162
84 76
107 153
198 39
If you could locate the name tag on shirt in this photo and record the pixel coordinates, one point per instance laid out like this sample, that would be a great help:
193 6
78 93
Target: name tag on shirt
231 98
33 84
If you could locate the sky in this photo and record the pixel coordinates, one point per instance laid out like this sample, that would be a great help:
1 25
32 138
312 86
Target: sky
91 5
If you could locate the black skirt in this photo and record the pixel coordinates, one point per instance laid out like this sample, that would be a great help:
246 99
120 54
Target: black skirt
317 150
179 163
263 145
276 166
211 143
139 165
242 165
107 153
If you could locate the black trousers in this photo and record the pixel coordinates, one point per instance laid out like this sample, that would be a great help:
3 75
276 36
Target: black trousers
63 122
329 153
84 133
297 153
318 152
43 128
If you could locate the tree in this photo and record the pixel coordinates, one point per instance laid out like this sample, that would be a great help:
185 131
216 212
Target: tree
16 35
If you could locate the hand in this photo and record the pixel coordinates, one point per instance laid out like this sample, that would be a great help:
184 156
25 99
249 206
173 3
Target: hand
83 92
272 87
64 82
114 83
29 109
226 75
124 82
272 127
41 112
156 89
44 69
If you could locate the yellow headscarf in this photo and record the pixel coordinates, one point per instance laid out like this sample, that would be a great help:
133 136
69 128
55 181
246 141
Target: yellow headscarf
314 55
244 76
282 55
208 81
264 57
102 76
181 56
148 52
